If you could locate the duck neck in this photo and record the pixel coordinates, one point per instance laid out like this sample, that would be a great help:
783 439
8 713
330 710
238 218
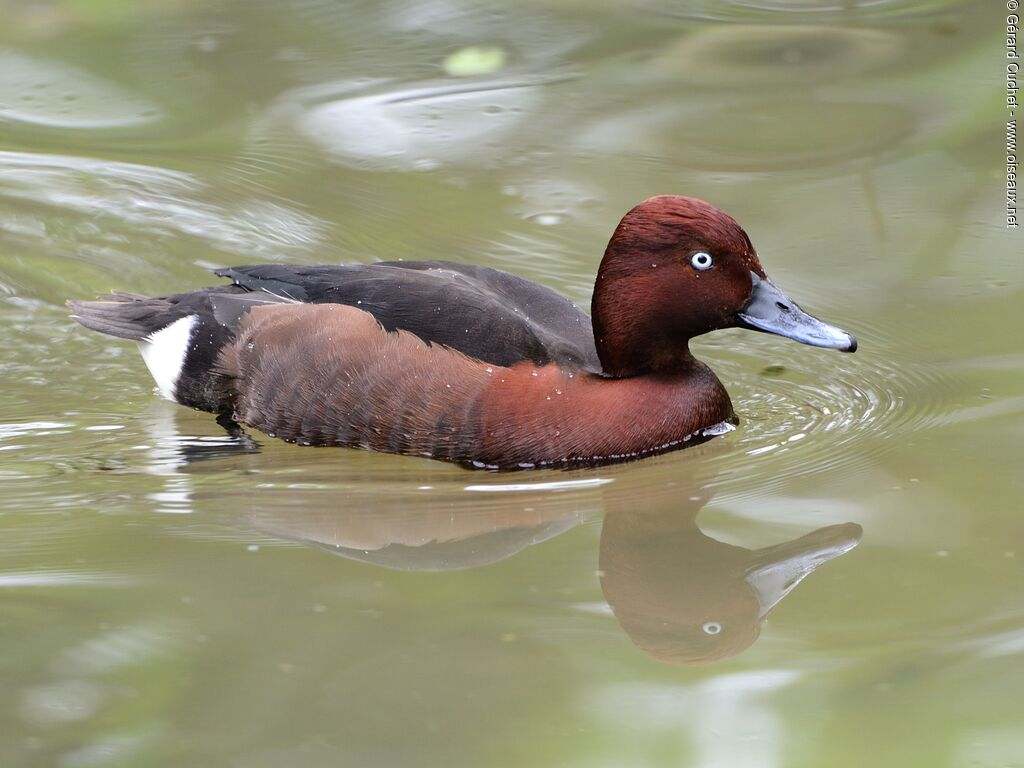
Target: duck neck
630 334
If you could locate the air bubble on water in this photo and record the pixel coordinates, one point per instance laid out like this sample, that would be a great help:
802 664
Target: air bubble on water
207 44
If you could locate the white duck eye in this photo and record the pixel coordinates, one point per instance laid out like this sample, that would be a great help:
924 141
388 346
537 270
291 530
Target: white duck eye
711 627
702 261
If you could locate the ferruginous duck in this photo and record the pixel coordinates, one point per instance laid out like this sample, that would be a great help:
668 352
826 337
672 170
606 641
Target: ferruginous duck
469 364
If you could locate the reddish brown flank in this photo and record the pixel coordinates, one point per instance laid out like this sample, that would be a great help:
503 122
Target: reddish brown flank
357 385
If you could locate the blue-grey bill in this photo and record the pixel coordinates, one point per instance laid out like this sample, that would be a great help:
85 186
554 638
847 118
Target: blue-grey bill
771 311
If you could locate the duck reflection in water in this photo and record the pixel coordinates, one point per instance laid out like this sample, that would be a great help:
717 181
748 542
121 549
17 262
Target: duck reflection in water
686 598
682 596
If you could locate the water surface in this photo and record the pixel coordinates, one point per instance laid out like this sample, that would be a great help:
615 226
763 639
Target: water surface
173 597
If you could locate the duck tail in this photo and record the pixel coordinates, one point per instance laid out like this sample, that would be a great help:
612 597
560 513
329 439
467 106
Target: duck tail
179 338
124 315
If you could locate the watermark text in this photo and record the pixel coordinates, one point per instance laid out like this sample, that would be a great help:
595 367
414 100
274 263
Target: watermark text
1012 71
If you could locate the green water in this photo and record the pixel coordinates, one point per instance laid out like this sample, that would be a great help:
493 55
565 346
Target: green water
173 598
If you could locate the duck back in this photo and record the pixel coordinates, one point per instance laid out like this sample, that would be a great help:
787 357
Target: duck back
484 313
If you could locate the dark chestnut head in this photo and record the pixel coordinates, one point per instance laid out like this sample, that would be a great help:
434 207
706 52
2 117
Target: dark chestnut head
678 267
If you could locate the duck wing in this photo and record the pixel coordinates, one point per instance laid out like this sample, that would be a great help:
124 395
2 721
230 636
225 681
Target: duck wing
484 313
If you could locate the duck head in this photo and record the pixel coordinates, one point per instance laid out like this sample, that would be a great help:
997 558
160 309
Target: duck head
678 267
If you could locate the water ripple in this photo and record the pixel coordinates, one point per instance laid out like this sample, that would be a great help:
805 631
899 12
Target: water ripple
755 10
40 93
156 201
829 416
419 126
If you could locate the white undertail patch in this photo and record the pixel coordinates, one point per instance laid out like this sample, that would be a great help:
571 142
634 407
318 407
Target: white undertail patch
164 353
